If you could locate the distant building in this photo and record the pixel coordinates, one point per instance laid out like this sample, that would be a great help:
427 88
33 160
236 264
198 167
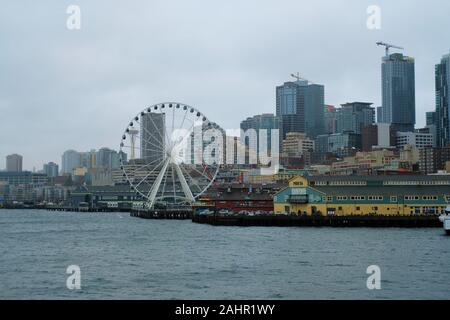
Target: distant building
51 169
71 159
398 91
266 122
415 139
297 145
363 163
23 178
340 144
380 115
354 116
107 158
432 160
431 118
14 163
378 136
300 105
153 133
88 159
442 117
330 119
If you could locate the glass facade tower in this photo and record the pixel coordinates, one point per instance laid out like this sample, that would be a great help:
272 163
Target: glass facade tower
442 116
398 91
300 105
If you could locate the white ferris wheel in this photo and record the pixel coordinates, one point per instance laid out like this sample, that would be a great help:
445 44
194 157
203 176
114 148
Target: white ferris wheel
171 159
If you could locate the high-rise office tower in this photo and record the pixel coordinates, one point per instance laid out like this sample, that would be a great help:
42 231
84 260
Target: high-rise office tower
71 159
300 105
398 91
14 163
442 74
354 117
153 133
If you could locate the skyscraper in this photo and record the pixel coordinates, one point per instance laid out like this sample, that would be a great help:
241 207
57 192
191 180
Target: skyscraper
14 163
354 117
442 74
398 91
71 159
300 105
153 132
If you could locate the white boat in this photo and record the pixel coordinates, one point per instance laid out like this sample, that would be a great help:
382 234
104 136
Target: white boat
445 219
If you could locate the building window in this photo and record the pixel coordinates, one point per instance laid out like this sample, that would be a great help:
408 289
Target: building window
393 199
329 199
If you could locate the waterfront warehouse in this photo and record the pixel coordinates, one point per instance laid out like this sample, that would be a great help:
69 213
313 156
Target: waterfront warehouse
365 195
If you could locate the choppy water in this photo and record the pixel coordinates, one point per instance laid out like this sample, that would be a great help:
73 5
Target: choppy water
129 258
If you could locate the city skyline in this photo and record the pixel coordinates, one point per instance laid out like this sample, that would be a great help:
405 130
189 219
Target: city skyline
84 86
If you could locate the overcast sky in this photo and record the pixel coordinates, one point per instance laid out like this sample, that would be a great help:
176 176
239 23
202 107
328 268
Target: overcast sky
77 89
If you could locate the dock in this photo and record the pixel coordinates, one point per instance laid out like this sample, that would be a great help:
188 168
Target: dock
375 221
162 214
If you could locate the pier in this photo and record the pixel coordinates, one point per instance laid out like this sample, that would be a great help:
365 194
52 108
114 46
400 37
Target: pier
162 214
374 221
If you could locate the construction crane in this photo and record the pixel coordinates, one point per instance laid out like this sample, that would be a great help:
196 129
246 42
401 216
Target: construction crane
299 78
388 46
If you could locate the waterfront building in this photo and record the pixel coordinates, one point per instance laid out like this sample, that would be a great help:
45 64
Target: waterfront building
51 169
354 116
14 163
415 139
365 195
152 136
24 177
117 196
239 197
442 117
398 92
300 105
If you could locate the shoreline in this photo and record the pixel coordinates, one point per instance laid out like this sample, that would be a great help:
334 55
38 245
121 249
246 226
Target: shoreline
350 221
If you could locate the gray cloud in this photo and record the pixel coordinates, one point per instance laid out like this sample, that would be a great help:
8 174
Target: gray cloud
62 89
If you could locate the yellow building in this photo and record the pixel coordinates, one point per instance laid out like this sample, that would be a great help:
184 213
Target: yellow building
365 195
